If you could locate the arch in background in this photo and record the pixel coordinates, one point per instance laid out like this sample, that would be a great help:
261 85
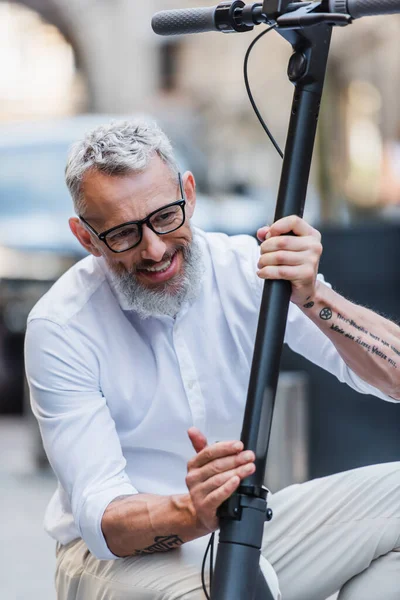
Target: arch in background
62 18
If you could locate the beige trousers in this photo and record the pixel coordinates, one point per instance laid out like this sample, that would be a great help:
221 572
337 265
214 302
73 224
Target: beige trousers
336 533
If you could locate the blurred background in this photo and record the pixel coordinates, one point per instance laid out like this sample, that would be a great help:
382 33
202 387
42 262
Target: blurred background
68 65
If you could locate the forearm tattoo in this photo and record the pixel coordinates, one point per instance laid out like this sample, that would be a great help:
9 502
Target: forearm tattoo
162 543
326 314
309 304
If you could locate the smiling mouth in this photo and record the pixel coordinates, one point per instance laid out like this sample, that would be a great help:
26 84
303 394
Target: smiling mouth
160 267
161 271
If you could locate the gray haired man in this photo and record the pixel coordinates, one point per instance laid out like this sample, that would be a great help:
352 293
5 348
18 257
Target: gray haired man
138 361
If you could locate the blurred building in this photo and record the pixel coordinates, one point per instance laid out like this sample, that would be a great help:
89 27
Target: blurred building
116 64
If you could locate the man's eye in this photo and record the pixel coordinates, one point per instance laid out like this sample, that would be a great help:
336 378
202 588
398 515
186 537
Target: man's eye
166 216
121 235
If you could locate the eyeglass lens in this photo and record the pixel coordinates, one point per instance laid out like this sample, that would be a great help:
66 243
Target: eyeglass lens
165 220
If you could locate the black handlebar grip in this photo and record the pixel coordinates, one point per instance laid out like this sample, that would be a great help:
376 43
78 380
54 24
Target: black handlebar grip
181 21
365 8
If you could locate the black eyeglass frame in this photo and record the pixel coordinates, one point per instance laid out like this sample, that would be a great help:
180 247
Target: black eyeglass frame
146 221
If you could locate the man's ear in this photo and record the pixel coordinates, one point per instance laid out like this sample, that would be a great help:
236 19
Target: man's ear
83 236
189 185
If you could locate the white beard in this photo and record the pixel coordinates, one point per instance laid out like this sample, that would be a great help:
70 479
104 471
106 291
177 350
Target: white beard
170 297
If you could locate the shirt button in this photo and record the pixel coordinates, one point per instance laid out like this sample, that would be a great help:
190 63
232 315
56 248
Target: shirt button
191 384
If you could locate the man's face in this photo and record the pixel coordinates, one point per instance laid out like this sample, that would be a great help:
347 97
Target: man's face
159 264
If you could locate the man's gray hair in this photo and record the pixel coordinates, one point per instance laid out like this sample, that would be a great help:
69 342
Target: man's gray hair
118 148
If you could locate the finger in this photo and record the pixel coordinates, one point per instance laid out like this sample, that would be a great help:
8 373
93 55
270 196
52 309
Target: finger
207 487
282 257
218 496
303 273
217 466
292 224
198 439
262 232
288 242
214 451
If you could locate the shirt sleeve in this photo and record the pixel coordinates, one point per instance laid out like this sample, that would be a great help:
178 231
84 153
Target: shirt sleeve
78 432
305 338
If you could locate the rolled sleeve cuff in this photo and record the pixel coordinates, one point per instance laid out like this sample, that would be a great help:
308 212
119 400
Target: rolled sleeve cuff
365 388
91 516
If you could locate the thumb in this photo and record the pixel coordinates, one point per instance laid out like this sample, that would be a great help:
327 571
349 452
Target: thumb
199 441
262 232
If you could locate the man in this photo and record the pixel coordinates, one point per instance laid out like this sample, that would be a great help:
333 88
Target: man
141 352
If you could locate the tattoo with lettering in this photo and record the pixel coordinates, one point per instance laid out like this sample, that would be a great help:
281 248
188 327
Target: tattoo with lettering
309 305
162 543
325 314
342 331
371 349
372 335
352 323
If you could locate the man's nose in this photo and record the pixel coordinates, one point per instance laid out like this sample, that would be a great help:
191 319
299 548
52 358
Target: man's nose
152 245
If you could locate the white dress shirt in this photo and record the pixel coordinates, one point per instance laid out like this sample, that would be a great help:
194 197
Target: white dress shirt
115 395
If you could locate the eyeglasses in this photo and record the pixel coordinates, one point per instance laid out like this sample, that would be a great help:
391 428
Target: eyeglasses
129 235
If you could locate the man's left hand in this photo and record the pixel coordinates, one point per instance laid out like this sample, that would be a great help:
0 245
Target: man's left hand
292 257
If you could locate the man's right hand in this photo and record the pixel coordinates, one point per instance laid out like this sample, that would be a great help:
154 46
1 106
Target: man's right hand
214 474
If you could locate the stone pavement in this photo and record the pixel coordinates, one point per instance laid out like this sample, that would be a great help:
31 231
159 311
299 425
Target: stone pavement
26 552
